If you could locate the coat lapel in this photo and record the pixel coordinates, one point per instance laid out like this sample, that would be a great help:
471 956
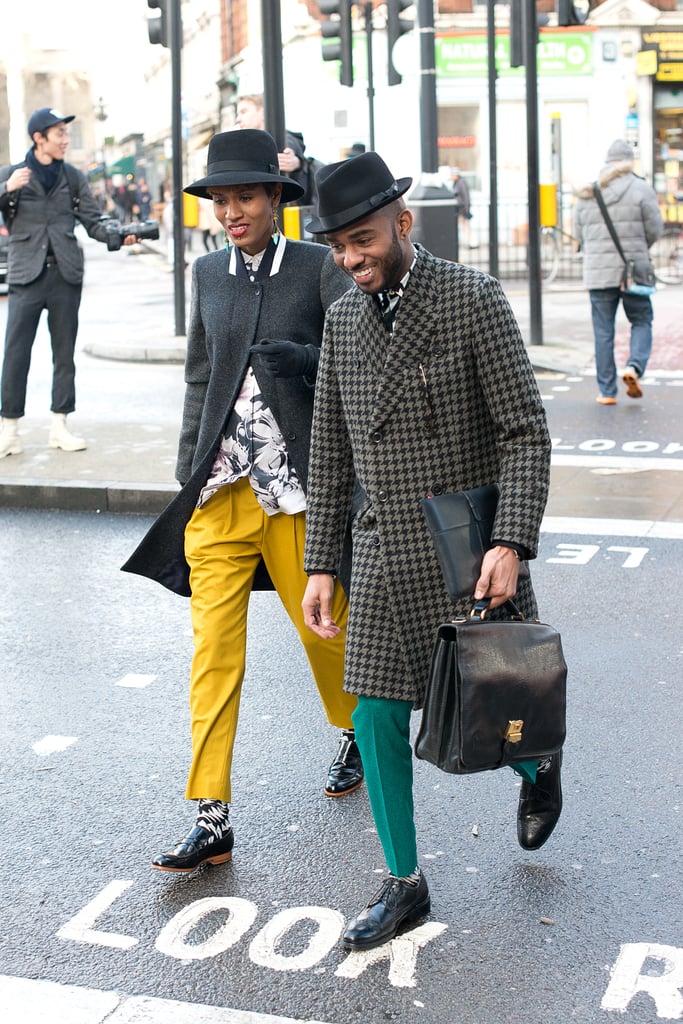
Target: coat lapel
415 329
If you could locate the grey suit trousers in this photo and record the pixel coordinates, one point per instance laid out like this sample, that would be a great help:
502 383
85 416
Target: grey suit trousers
26 302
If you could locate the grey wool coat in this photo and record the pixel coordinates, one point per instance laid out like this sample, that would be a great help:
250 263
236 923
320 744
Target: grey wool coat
372 418
228 315
634 211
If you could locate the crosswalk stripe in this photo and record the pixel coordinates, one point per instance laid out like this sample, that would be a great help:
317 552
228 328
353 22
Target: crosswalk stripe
34 1002
584 526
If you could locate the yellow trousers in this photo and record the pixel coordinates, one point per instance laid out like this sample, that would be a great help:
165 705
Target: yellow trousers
224 542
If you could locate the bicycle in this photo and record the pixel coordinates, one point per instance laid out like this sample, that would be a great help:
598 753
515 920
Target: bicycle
553 240
550 254
667 255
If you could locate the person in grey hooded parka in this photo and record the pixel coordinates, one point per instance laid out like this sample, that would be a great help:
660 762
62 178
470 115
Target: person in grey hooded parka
634 211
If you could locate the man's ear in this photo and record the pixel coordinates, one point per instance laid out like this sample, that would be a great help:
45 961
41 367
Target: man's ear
405 222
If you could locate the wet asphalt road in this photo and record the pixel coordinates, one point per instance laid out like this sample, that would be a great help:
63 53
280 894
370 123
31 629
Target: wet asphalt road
513 938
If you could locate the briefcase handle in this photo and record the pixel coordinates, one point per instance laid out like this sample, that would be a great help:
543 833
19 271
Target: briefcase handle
481 607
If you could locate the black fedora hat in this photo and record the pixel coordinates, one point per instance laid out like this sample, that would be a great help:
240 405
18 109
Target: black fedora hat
244 156
353 189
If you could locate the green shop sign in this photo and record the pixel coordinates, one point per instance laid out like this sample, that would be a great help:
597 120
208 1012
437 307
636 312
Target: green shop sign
559 53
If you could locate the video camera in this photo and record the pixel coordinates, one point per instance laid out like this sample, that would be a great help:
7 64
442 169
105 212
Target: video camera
116 232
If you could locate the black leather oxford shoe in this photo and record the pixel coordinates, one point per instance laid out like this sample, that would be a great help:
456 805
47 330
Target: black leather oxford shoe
198 847
540 804
346 771
395 904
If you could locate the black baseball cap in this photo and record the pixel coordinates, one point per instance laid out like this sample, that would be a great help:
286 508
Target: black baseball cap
41 120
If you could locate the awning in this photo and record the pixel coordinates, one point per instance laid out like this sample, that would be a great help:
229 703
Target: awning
125 165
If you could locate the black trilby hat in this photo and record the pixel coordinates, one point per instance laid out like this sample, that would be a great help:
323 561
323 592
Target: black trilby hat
245 156
353 189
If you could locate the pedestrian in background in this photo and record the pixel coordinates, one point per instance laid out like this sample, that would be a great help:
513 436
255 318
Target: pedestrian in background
424 387
144 199
210 228
256 322
461 191
633 209
41 199
292 161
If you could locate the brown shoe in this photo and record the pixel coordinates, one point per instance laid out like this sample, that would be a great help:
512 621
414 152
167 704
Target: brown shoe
630 379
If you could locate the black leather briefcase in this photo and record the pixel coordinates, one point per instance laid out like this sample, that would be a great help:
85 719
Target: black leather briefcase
496 694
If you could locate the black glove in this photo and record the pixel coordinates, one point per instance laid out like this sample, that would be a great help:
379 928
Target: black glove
286 358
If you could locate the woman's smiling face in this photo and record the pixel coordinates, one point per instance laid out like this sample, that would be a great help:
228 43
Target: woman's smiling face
246 212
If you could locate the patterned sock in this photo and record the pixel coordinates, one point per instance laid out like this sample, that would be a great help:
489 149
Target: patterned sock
213 815
413 878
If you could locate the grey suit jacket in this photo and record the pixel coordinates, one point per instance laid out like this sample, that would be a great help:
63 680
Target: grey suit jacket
47 219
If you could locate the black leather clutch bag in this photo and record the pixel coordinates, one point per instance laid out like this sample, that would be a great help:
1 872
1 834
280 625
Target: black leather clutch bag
460 525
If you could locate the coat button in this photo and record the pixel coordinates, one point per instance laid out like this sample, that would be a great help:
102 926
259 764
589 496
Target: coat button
290 436
382 496
376 542
437 489
438 351
376 436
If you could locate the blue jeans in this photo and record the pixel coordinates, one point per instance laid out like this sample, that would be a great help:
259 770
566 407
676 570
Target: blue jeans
638 309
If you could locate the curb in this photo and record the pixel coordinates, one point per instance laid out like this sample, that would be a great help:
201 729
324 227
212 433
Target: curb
64 496
169 351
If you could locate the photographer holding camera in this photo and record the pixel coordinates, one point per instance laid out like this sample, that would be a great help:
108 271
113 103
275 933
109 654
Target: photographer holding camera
41 199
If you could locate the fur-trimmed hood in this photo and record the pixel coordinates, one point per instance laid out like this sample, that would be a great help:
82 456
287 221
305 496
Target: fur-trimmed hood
608 173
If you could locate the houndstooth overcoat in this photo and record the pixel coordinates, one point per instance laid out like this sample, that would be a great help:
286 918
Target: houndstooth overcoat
475 417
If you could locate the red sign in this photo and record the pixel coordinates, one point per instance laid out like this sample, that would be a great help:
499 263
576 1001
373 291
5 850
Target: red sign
456 141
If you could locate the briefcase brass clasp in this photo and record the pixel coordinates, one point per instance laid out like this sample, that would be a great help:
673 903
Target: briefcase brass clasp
513 733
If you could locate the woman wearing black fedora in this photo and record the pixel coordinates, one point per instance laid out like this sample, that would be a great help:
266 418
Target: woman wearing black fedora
238 522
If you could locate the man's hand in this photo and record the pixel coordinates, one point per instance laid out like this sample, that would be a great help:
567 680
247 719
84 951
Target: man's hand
498 579
317 606
288 161
18 179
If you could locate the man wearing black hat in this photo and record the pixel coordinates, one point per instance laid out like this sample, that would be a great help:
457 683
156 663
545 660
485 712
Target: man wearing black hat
424 386
41 199
238 523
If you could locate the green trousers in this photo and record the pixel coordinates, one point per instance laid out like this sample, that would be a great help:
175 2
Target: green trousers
383 737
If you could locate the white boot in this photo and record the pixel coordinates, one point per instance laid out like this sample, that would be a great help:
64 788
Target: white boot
60 436
10 442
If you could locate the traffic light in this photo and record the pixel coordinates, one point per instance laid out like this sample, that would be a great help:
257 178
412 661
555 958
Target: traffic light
396 27
157 28
338 27
573 12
